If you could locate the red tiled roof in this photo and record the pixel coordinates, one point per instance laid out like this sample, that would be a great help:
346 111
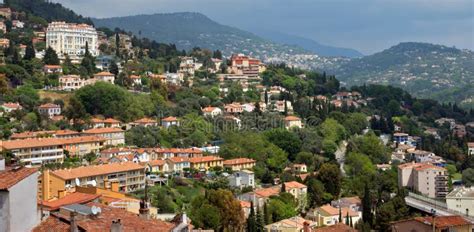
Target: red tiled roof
104 74
157 163
73 198
329 210
239 161
103 130
178 159
169 119
11 105
208 109
444 221
96 170
49 105
267 192
470 145
129 221
31 134
145 121
111 120
10 177
204 159
52 66
292 118
244 204
294 184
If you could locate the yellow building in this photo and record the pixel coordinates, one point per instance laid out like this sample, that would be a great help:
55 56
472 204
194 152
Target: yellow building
129 176
206 162
239 164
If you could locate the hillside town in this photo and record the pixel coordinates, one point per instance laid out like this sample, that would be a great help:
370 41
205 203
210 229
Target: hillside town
104 131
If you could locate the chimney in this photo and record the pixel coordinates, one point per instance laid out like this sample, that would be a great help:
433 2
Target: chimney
116 226
73 224
106 184
306 227
61 193
144 210
114 186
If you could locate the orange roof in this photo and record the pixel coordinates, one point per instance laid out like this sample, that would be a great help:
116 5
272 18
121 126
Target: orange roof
294 184
31 134
157 163
104 74
292 118
145 121
204 159
444 221
244 204
332 211
73 198
10 177
178 159
116 150
103 130
470 145
96 170
111 120
12 105
52 66
267 192
178 150
340 227
208 109
134 77
65 132
425 166
169 119
49 105
60 222
239 161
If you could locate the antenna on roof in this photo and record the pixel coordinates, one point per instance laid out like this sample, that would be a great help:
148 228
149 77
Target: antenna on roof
96 210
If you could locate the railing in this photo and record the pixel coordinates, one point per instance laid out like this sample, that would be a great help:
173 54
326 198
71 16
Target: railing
428 200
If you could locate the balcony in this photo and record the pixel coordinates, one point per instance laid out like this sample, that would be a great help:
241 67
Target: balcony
442 177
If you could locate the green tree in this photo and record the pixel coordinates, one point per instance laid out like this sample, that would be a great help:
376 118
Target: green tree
88 61
251 220
50 57
286 140
367 206
260 220
330 175
468 177
315 192
29 52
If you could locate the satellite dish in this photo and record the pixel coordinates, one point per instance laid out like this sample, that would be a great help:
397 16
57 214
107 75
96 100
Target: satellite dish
99 210
95 210
78 183
92 182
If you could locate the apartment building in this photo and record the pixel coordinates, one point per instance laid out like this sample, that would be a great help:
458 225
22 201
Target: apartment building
113 136
130 177
239 164
37 151
461 200
241 179
424 178
165 153
241 64
178 164
206 162
71 39
73 82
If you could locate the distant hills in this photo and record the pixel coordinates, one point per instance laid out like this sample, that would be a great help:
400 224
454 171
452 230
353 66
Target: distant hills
308 44
188 30
425 70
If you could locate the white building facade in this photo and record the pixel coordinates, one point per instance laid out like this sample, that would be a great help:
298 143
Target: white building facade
71 39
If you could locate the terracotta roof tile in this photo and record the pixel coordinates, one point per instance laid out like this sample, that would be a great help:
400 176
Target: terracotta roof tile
95 170
204 159
73 198
444 221
10 177
292 118
104 74
341 227
329 210
103 130
267 192
169 119
49 105
178 159
294 184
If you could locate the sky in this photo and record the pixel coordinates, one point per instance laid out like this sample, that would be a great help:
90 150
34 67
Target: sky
366 25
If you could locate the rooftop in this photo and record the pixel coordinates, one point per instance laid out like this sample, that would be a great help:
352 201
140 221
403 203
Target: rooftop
103 130
267 192
49 105
444 221
461 192
333 211
292 118
130 221
239 161
11 176
204 159
340 227
73 198
294 184
96 170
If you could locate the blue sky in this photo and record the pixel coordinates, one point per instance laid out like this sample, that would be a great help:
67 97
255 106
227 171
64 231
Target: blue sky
366 25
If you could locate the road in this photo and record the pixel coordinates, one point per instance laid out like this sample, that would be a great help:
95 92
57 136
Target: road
340 155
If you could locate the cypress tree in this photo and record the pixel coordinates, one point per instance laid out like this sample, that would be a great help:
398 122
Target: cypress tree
117 45
267 216
251 223
347 218
350 219
29 52
266 97
367 206
50 57
283 187
340 215
260 220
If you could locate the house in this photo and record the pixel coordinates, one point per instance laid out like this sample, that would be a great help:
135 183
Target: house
239 164
18 200
158 166
211 111
45 134
178 164
298 190
442 121
280 106
206 162
260 196
299 168
112 123
242 179
87 217
145 122
246 207
136 80
6 12
49 109
217 64
400 138
340 227
169 121
105 77
11 106
73 82
113 136
244 65
233 108
461 200
68 199
421 156
83 145
52 69
459 131
353 203
4 43
130 176
173 78
328 215
425 178
425 224
115 151
293 224
293 121
165 153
